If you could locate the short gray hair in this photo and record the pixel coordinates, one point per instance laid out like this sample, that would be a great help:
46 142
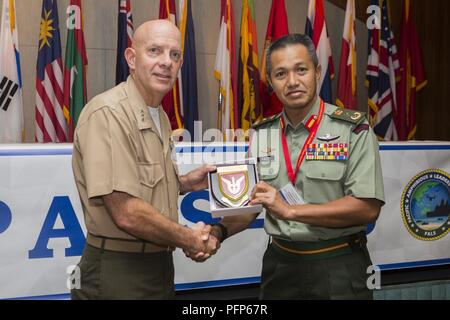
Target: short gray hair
291 39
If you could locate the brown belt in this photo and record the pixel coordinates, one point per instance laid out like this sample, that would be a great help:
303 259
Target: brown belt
124 245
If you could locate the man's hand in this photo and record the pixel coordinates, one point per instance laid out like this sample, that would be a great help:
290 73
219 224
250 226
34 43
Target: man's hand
269 197
196 179
210 243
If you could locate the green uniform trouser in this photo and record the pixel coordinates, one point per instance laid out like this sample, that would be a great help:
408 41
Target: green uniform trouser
122 275
287 276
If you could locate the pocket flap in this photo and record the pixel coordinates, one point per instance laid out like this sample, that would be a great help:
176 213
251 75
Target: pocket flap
325 170
150 174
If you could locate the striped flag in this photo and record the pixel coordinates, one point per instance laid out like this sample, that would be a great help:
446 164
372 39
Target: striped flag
316 29
346 91
124 37
11 108
276 28
382 70
74 66
248 73
51 126
172 102
412 75
189 68
225 69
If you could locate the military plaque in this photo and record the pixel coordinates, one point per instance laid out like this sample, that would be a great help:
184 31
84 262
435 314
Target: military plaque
230 187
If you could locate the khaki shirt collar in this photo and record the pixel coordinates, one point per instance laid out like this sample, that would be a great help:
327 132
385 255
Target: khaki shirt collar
138 106
314 111
143 118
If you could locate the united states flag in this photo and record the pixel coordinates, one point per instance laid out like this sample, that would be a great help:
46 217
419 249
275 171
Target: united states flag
382 70
51 126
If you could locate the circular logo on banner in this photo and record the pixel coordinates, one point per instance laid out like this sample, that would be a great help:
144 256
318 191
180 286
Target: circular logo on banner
425 205
5 217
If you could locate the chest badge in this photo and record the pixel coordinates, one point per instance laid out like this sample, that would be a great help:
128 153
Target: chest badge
327 151
328 137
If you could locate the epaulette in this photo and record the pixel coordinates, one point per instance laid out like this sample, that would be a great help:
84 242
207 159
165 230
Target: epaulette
266 120
348 115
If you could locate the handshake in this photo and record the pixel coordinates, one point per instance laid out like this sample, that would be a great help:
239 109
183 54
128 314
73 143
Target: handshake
205 244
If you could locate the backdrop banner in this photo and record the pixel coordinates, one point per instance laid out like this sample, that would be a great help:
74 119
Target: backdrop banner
42 232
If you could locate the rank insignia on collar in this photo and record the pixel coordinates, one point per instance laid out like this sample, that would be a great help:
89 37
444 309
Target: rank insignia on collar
328 137
327 151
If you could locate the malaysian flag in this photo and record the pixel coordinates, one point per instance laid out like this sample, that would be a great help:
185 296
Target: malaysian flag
51 126
124 37
316 29
382 70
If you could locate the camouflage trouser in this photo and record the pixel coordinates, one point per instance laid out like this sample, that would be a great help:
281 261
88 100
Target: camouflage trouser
288 276
122 275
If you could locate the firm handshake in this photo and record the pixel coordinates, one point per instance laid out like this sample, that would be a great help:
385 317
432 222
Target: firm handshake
207 238
205 244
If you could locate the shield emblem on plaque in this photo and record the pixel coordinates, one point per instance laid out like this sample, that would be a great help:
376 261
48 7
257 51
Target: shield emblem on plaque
233 185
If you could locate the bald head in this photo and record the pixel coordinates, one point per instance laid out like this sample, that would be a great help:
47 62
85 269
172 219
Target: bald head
155 28
154 59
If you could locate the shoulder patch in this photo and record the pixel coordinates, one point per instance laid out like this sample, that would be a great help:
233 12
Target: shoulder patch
259 123
351 116
361 127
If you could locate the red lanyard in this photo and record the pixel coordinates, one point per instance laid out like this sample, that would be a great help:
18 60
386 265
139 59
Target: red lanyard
311 136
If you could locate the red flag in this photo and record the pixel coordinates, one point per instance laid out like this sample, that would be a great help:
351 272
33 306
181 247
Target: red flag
412 76
171 101
276 28
346 93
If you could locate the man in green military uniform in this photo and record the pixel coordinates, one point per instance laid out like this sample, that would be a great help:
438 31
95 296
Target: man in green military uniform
321 185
